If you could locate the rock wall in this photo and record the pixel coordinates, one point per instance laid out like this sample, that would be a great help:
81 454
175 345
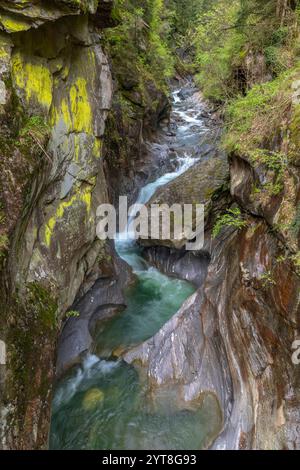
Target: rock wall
133 120
234 338
55 94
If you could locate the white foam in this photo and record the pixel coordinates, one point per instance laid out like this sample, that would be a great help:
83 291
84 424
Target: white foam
176 97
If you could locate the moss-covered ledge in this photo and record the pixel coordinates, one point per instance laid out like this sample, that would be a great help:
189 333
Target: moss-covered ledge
30 337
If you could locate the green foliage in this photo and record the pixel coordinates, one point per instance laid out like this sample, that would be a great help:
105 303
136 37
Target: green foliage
242 111
33 136
267 279
274 188
296 261
32 329
36 126
3 244
280 36
229 35
184 16
281 259
159 54
274 162
274 61
254 119
140 42
219 48
232 218
72 314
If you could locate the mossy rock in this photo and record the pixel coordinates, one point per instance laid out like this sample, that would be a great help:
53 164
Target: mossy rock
92 398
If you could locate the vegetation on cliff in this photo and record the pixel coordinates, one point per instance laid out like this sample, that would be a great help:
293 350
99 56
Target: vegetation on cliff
246 57
139 42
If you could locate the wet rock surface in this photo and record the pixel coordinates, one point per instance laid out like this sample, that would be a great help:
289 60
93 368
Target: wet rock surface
196 186
157 138
105 298
191 266
181 355
234 338
193 132
102 302
264 194
255 300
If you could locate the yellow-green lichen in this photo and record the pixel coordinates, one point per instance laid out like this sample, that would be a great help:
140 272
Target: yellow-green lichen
34 79
65 111
13 25
97 147
75 110
92 399
84 197
65 71
76 148
80 107
4 54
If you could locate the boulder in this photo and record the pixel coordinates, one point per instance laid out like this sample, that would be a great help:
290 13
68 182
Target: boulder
196 186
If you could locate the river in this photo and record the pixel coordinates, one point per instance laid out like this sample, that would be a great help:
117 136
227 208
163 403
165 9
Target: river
105 403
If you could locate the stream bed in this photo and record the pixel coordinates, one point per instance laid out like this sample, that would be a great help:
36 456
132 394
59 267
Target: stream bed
105 403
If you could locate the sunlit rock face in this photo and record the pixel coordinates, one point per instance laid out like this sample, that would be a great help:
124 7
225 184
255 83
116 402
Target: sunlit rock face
55 93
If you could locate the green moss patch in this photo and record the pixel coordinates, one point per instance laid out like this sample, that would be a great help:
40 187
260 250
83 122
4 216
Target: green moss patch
31 338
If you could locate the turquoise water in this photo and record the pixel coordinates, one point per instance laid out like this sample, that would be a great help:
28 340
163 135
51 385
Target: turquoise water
105 406
150 304
105 403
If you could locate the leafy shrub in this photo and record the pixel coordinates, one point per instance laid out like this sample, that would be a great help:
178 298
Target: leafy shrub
219 48
267 279
280 36
232 218
255 119
229 32
275 162
296 260
72 314
36 126
140 42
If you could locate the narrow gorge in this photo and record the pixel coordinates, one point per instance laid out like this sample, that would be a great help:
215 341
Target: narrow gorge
132 344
